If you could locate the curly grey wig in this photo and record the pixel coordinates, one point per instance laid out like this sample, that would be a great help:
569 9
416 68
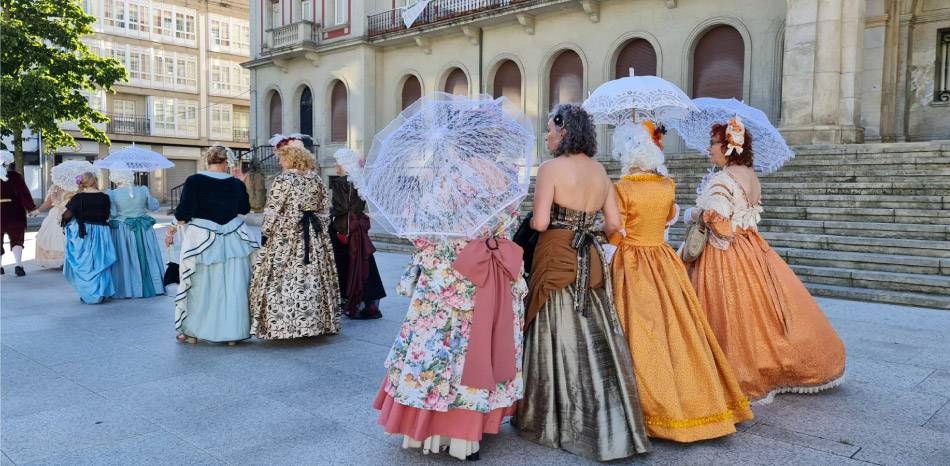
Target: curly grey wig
580 136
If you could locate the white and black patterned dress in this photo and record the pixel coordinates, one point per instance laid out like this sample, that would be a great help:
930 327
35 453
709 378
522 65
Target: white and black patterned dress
294 290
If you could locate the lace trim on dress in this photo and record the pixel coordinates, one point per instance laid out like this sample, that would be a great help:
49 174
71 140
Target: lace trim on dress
727 197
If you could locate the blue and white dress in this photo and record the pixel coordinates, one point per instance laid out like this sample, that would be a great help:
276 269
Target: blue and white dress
139 267
90 252
215 262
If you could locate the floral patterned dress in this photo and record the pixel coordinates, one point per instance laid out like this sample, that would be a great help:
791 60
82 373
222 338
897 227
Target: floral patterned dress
294 290
424 366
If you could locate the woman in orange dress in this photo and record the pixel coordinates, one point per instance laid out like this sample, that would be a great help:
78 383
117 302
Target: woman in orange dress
771 329
687 388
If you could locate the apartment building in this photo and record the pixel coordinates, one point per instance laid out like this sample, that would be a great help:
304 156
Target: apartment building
186 88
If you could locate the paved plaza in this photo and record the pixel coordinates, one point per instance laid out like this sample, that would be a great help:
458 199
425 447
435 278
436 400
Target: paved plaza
109 384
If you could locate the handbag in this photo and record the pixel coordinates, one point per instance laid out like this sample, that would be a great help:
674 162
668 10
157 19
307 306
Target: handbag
695 241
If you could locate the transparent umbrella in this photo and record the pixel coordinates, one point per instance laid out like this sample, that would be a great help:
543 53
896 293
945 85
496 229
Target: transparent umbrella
445 166
770 149
636 98
64 175
135 159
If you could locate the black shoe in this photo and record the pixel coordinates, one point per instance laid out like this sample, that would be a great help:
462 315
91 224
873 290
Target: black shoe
19 271
2 272
472 457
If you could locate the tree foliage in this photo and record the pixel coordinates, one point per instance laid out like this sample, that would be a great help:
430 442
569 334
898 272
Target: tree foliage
45 67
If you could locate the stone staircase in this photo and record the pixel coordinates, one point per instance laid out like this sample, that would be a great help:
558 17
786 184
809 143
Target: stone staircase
866 221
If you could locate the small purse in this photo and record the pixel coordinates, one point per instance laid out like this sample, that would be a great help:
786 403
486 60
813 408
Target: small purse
695 241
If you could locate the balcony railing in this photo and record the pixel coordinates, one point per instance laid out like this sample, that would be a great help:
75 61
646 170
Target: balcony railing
134 125
296 34
241 134
436 11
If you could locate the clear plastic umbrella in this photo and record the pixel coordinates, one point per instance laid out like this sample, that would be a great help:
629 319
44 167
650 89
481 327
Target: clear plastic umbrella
636 98
445 166
770 149
64 175
135 159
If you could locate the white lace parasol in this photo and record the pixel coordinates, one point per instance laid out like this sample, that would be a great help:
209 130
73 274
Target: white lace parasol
636 98
445 166
769 149
135 159
64 175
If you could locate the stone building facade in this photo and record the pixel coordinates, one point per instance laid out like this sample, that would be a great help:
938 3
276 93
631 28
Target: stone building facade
186 87
825 71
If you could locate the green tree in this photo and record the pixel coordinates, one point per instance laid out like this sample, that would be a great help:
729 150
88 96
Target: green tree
45 67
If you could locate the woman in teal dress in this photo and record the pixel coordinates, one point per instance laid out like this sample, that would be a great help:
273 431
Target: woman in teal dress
137 272
89 250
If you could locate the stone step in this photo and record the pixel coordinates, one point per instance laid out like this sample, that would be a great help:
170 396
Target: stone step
860 214
933 188
900 282
866 261
920 160
881 296
786 239
867 230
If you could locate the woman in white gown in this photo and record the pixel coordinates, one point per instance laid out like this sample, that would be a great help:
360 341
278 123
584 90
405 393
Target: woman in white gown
50 240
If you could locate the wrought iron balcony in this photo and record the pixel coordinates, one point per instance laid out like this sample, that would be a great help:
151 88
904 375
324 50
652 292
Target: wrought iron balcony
124 124
241 134
436 11
297 35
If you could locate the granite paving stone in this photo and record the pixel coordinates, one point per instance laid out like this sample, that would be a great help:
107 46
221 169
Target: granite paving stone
109 384
937 384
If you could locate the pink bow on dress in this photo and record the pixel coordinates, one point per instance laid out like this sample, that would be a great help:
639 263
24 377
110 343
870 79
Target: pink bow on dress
492 265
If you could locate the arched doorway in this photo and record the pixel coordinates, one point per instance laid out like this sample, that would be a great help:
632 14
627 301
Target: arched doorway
338 112
306 112
411 91
566 80
637 54
456 83
507 82
719 63
276 114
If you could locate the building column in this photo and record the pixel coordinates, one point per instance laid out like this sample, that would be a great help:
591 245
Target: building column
821 76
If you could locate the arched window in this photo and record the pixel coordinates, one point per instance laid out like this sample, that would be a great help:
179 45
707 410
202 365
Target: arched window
276 111
411 91
566 82
306 112
718 63
508 82
456 83
338 113
639 55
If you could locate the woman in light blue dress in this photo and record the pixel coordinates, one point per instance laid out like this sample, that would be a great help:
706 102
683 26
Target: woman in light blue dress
90 252
215 262
138 270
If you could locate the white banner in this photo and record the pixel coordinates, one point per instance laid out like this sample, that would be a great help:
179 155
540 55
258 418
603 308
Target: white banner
411 13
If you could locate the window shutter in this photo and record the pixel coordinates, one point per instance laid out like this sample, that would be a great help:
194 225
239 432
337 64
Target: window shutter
276 120
411 91
456 83
718 63
338 113
566 80
508 83
639 55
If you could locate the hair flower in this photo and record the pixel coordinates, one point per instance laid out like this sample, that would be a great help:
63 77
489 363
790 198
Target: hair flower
735 136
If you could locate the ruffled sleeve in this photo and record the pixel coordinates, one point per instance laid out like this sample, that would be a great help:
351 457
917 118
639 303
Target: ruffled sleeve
717 202
410 275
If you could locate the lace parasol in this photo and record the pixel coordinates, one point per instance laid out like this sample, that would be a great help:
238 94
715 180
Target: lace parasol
445 166
636 98
134 158
768 146
64 175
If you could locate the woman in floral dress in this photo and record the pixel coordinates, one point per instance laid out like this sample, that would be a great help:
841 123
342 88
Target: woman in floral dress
294 289
422 397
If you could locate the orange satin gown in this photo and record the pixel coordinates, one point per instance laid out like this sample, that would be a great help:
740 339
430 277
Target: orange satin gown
687 388
772 330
